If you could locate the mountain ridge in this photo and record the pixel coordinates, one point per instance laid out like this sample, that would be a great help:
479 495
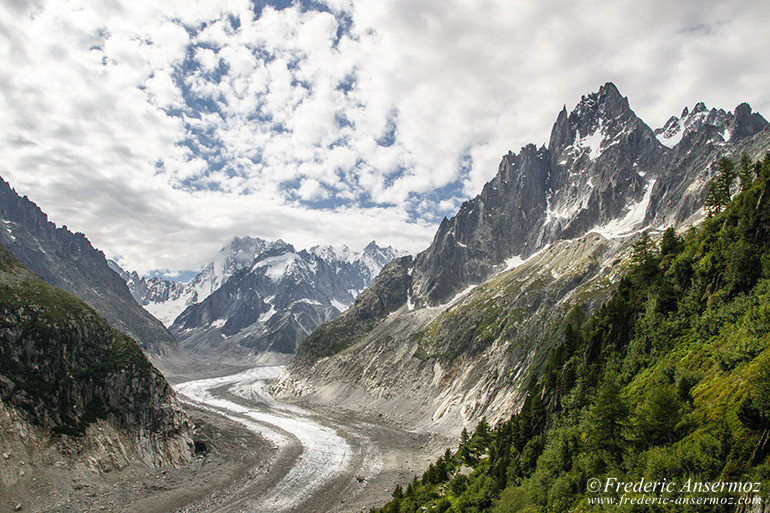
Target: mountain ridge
67 372
68 260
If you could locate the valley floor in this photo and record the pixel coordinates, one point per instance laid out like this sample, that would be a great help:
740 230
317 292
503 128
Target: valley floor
261 456
324 461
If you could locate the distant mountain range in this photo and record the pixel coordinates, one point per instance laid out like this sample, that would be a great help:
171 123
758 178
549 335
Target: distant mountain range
258 299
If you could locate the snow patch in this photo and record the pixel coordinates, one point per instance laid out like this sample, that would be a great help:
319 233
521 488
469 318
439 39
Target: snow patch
514 261
309 301
339 305
630 223
168 311
265 316
460 295
592 142
671 139
277 266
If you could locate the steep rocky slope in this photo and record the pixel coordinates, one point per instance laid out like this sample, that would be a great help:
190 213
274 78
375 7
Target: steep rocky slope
68 260
671 375
442 354
73 390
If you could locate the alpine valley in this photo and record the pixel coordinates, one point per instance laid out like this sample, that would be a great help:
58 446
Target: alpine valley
583 316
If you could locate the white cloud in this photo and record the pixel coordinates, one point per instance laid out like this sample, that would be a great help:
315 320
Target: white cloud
311 190
118 116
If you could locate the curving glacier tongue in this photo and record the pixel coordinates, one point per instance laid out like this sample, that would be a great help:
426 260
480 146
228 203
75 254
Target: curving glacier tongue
324 452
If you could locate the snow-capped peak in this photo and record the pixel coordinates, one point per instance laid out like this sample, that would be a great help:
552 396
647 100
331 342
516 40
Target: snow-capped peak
277 260
332 253
690 121
276 267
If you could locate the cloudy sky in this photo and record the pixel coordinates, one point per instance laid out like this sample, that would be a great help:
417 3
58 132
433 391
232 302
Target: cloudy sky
161 129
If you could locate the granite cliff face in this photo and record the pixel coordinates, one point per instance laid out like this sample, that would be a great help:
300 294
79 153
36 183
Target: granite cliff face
476 313
68 260
71 380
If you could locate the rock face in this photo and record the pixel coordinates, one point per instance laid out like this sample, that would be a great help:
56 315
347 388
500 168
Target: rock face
68 261
68 374
742 123
548 233
259 299
387 293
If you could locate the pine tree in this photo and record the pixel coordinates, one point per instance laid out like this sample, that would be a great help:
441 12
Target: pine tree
712 203
642 249
608 421
482 430
720 188
670 243
464 437
745 172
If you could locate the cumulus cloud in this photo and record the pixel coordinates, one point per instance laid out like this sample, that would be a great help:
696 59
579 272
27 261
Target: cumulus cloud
162 129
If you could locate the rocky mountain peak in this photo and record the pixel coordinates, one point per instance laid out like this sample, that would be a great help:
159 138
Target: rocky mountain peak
745 123
562 133
372 247
597 122
699 107
738 124
603 170
607 102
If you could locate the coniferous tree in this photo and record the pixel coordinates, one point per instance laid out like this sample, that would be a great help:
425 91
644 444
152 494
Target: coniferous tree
659 415
745 172
642 249
670 243
720 188
464 437
608 421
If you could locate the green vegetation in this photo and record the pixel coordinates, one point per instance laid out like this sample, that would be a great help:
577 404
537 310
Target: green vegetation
60 362
670 379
